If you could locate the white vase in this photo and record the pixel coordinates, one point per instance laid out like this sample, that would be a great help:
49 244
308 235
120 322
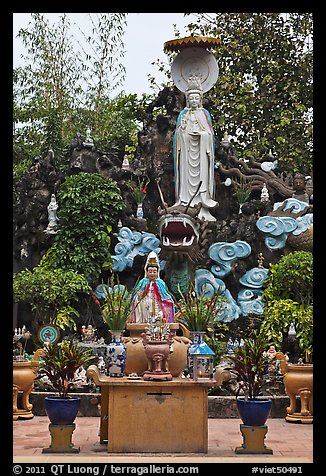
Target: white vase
116 355
140 211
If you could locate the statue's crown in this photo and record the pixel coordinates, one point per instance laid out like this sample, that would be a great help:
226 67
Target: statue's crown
152 260
194 84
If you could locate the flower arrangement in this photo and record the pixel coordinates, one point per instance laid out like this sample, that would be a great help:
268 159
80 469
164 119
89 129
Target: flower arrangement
115 303
198 312
139 189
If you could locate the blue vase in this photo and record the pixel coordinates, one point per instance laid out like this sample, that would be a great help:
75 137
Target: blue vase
61 411
254 412
116 355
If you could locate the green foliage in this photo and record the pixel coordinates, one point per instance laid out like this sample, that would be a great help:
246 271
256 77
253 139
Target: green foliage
288 298
279 314
242 189
65 87
139 189
51 293
197 311
291 278
250 365
21 168
60 362
263 96
115 304
46 89
89 205
120 122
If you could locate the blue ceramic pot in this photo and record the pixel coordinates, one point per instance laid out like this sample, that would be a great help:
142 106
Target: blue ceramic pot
62 411
254 412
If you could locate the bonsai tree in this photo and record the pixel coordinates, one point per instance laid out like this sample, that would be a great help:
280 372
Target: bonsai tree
288 299
60 362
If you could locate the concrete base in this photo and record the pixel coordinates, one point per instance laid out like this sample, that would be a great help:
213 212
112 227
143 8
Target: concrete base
61 436
253 440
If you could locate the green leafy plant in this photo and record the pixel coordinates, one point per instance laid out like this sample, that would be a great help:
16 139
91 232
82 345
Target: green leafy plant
288 298
291 278
60 362
279 314
115 302
89 205
250 365
242 189
51 294
197 311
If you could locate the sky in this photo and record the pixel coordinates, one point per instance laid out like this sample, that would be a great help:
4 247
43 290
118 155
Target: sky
144 38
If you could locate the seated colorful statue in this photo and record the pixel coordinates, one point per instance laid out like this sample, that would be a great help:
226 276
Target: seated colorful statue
151 296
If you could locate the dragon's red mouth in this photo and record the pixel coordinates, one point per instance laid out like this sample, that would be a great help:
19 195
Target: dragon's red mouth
177 231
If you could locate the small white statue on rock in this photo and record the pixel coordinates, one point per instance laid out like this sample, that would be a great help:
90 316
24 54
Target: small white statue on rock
52 215
264 196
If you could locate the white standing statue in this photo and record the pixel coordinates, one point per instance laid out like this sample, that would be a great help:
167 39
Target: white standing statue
194 149
52 213
264 196
194 72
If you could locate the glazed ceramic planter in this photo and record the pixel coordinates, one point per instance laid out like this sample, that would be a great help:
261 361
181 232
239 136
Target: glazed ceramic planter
254 412
62 411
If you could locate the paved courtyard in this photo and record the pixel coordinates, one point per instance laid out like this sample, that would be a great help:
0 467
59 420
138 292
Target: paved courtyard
290 442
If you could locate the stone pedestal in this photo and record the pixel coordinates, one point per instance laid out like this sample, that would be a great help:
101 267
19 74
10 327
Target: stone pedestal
61 436
253 440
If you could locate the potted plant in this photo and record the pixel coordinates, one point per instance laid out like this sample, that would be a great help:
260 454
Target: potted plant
250 366
59 364
115 303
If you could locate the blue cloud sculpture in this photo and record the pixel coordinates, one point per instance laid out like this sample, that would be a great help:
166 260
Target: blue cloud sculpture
132 243
225 254
207 285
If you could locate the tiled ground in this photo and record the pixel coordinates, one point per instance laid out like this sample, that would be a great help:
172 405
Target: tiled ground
290 442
